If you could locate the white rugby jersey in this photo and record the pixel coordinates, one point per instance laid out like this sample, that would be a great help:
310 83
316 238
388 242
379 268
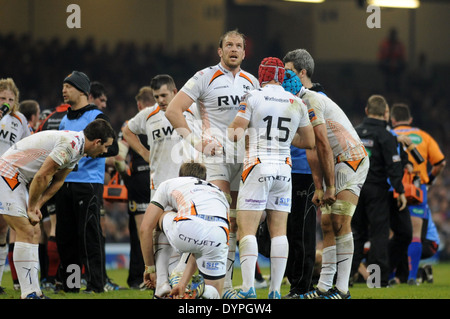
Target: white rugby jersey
274 115
191 196
343 139
168 149
217 94
22 161
13 127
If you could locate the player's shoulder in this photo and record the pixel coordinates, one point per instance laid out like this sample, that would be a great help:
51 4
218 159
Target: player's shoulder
19 117
150 111
423 133
310 94
311 98
209 72
247 76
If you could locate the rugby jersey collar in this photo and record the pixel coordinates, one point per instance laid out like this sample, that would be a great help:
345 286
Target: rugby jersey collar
225 71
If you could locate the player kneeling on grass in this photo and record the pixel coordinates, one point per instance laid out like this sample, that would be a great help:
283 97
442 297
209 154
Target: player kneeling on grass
197 223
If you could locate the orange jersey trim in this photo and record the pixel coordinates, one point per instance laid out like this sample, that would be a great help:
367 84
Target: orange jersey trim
154 112
227 232
247 171
215 76
242 75
354 164
12 182
193 212
17 118
288 161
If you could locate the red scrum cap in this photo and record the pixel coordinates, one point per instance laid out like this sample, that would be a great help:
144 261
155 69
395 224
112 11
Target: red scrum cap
271 69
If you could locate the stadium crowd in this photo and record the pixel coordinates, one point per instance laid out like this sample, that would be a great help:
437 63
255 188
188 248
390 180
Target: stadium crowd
37 67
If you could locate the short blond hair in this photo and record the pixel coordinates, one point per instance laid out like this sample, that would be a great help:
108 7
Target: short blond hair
376 105
193 169
145 95
8 84
234 32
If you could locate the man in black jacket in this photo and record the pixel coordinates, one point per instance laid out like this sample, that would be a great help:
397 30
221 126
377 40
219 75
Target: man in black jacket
371 219
78 231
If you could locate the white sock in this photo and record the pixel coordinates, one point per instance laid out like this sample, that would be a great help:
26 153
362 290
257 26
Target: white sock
179 268
248 255
344 257
174 260
210 293
328 269
26 261
3 256
163 250
230 261
279 249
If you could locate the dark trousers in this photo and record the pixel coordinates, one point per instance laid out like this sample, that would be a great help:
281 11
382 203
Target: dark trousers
138 185
370 222
136 267
301 234
79 234
400 222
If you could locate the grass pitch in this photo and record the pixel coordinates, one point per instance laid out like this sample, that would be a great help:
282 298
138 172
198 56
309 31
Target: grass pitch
440 289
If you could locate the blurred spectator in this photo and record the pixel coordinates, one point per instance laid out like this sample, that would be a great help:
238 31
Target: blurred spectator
391 59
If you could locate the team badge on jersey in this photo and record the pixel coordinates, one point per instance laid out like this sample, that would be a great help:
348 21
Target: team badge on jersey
312 115
242 107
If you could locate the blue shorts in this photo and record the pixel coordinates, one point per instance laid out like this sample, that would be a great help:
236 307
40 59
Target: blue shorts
420 210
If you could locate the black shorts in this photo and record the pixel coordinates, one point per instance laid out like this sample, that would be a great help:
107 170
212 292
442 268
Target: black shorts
138 193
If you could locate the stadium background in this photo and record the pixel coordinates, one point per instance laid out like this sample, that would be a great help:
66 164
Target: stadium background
124 43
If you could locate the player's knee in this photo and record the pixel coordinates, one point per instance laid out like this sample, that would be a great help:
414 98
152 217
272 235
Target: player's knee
326 225
343 208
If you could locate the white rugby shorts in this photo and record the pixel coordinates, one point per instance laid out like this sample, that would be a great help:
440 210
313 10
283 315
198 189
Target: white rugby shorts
265 186
206 239
351 176
13 198
230 172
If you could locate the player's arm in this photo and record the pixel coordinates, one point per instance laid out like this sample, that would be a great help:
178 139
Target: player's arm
135 143
174 113
304 138
180 288
236 130
149 224
326 160
119 161
44 185
436 159
394 167
435 171
57 182
317 176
